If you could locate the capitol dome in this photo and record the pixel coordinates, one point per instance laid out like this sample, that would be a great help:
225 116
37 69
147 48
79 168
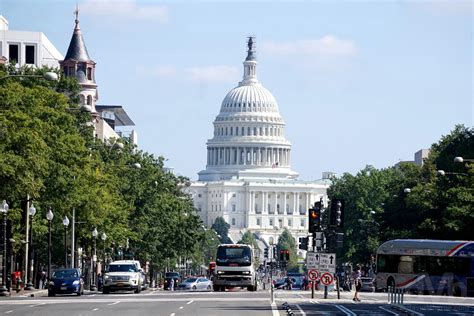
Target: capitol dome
249 136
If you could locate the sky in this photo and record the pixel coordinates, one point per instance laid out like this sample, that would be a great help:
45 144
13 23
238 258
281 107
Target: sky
357 82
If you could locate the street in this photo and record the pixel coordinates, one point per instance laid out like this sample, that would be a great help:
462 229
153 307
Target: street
232 303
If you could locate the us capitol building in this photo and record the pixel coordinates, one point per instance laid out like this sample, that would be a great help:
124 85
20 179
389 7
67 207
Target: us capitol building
248 178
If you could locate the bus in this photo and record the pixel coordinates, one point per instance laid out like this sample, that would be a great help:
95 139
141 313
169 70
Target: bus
426 266
235 267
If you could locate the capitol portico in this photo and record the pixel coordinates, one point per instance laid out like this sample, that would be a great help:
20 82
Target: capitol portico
248 178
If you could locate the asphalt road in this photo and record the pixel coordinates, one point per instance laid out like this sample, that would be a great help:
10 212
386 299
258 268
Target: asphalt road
230 304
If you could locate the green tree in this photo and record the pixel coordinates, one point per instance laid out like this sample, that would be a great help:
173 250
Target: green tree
222 229
287 242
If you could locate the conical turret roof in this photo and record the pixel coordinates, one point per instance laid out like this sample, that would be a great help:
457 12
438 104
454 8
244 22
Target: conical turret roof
77 48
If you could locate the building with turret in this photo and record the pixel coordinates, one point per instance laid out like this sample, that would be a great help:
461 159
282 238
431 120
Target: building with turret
248 178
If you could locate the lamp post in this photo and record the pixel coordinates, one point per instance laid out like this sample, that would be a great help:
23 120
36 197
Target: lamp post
30 286
461 159
93 286
104 238
66 224
49 217
4 210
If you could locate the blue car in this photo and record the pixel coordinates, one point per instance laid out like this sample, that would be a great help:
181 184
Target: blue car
66 281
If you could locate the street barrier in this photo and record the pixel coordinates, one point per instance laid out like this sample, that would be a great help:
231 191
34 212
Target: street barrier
395 295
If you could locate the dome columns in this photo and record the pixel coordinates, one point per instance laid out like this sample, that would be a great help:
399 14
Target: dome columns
248 156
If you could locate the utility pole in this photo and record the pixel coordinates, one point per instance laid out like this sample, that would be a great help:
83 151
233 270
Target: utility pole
73 244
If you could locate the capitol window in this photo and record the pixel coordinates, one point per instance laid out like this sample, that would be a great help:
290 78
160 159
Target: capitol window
258 222
233 195
248 131
271 221
233 221
302 223
233 207
289 223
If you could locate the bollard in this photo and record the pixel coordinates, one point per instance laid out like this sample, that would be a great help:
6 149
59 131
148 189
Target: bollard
395 295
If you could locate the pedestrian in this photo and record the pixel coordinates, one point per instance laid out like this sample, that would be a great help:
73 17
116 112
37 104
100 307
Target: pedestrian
172 284
356 277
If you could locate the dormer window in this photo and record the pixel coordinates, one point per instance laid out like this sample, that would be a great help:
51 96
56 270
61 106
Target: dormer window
89 100
89 73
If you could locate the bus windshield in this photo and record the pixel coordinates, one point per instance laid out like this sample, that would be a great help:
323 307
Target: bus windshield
234 255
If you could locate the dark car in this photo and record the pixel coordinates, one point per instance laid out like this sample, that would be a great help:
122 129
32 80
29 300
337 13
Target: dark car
171 275
66 281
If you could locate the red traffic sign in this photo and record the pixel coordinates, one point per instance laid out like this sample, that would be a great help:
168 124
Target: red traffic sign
327 278
313 275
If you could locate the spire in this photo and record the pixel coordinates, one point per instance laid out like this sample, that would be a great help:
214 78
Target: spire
77 48
250 64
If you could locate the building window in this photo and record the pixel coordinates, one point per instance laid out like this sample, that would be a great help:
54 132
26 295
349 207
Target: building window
199 195
231 131
243 131
89 100
269 209
280 222
13 50
220 207
258 222
302 222
199 208
71 71
237 131
89 73
248 131
233 195
233 207
289 223
233 221
255 131
30 54
271 222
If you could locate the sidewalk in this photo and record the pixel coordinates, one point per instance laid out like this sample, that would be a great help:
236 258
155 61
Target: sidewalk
29 293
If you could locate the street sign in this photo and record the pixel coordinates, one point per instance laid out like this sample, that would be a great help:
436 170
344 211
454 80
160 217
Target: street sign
327 262
327 278
313 275
312 260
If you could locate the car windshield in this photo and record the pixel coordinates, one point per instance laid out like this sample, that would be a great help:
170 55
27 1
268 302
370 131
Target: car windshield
61 274
191 280
227 255
122 268
171 275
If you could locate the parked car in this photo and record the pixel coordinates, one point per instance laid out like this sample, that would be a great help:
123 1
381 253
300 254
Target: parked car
367 285
195 284
66 281
122 275
171 275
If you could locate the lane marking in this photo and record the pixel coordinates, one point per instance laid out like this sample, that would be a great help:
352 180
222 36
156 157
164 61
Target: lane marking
172 314
189 302
389 311
301 310
181 307
114 303
412 312
345 310
95 309
275 311
93 295
8 312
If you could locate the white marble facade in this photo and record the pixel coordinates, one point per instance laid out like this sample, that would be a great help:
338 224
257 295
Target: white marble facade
248 178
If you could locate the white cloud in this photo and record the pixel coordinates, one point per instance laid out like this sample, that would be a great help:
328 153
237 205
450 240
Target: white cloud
129 9
328 45
157 71
213 74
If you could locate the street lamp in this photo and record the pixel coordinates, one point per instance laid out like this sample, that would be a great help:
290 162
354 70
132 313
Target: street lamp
4 210
66 224
93 286
30 286
104 238
443 173
49 217
407 190
461 159
50 76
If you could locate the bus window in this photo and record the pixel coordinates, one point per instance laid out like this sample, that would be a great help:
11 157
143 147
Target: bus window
387 263
405 265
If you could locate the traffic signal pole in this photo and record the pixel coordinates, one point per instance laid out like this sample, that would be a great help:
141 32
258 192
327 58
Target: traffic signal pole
314 250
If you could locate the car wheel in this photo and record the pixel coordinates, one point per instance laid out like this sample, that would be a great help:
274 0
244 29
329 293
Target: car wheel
216 288
194 288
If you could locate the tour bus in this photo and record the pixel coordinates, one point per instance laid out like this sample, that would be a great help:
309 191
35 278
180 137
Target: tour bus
235 267
426 266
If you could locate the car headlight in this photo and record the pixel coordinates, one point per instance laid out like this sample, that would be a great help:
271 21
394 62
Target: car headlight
246 272
106 277
76 282
220 272
51 283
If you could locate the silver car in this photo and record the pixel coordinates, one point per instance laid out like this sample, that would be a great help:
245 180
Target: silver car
195 284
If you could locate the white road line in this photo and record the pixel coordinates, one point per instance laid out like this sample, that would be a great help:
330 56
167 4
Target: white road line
314 302
93 295
301 310
114 303
412 312
95 309
274 309
181 307
387 310
345 310
8 312
189 302
172 314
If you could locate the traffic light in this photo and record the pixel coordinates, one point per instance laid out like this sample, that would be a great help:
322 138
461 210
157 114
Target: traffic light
336 216
287 255
282 255
303 245
314 217
339 240
265 253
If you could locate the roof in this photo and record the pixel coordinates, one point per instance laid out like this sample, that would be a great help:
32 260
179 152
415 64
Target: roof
121 117
426 247
77 48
